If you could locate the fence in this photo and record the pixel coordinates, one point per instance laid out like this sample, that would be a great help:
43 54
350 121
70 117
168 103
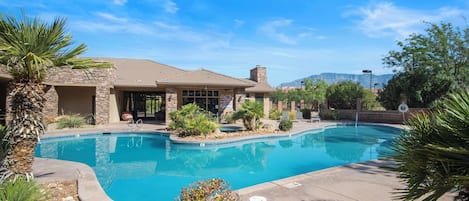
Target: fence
388 116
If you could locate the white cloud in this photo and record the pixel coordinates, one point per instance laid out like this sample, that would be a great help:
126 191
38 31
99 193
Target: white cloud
283 31
110 17
238 23
271 29
170 7
119 2
385 19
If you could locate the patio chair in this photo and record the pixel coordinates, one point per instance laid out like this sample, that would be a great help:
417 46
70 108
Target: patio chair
315 117
285 116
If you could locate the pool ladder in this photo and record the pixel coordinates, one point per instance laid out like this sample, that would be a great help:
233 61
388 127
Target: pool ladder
135 125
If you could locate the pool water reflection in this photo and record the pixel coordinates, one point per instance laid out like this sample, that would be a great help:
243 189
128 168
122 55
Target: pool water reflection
151 167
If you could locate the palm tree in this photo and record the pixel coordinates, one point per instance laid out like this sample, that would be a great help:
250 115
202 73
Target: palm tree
433 156
251 113
28 47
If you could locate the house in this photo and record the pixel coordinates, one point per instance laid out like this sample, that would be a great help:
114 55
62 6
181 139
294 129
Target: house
145 89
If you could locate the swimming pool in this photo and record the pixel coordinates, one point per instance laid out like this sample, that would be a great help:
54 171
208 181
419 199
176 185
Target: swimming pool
146 166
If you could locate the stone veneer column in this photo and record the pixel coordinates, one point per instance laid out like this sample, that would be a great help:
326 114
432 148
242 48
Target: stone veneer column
240 96
225 101
51 106
171 102
102 104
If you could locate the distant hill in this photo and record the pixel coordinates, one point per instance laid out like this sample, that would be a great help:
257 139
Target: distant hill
331 78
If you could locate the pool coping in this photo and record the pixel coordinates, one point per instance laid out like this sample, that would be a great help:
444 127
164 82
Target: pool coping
89 188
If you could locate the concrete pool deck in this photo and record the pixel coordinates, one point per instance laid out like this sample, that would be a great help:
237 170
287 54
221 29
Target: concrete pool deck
360 181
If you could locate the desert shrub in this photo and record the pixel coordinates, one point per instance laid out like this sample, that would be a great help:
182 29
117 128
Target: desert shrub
210 189
192 120
275 114
329 115
306 113
71 121
285 125
291 116
22 190
432 157
229 118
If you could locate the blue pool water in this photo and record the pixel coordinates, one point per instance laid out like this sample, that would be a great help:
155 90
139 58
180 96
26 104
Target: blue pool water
151 167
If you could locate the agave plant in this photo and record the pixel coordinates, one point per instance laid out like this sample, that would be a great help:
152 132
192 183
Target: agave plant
433 156
28 47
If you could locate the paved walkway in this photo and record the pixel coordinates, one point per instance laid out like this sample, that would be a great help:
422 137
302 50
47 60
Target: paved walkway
360 182
363 181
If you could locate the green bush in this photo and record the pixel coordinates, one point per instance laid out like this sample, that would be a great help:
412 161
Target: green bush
211 189
22 190
71 121
275 114
329 115
306 113
285 125
191 120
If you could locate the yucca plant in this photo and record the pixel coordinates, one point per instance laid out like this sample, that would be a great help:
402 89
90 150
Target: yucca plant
22 190
251 113
28 47
433 156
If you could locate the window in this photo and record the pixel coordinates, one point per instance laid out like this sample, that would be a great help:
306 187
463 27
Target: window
205 99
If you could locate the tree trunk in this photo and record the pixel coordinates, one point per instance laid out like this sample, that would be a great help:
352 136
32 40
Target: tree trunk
24 129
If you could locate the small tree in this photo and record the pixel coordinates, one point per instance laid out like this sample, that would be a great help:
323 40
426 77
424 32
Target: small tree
251 113
343 95
433 156
429 66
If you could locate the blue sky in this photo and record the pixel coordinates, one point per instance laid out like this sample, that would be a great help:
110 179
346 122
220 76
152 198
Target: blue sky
292 38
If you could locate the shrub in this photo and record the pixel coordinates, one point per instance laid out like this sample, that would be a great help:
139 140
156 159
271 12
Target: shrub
211 189
71 121
306 113
229 118
251 113
275 114
432 157
285 125
191 120
329 115
291 116
22 190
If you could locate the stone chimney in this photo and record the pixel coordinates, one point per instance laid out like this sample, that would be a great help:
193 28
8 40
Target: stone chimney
259 74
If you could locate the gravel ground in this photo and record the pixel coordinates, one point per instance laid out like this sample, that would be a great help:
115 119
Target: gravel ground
62 190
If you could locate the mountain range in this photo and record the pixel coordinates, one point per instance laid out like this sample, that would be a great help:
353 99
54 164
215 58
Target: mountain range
332 78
